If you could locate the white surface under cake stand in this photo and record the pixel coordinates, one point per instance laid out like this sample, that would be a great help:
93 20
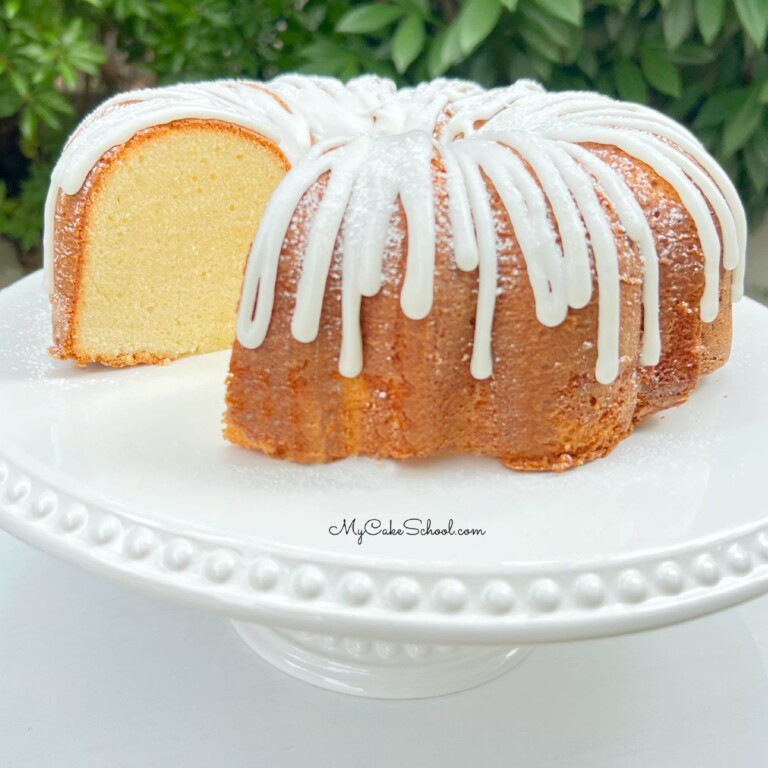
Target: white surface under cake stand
124 472
95 675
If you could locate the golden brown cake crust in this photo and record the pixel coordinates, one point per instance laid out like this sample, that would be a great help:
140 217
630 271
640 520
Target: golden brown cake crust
542 409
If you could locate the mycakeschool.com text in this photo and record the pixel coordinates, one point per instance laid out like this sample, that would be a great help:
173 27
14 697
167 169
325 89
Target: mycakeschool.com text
413 526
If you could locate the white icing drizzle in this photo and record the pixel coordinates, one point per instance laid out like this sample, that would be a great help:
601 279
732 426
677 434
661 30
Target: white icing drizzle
637 229
368 176
379 149
481 365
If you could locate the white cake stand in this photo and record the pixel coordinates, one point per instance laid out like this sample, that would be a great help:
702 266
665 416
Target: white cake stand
125 473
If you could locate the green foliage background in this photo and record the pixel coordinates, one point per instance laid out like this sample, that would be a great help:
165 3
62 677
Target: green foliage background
703 62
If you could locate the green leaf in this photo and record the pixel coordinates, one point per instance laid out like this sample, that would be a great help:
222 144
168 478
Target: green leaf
28 128
71 33
510 5
679 109
659 71
348 71
626 41
614 24
644 7
557 31
708 137
46 115
728 73
35 52
323 67
587 62
717 108
368 18
622 5
574 46
570 11
416 6
692 54
68 74
536 40
753 15
476 21
759 144
20 85
445 51
677 22
741 124
55 102
710 15
757 170
482 68
10 103
630 82
324 58
12 7
408 42
763 93
542 68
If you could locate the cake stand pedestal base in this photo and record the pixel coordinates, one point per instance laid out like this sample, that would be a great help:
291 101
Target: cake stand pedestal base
377 668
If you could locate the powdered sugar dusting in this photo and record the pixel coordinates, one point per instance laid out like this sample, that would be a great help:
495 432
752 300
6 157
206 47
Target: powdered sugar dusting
375 150
528 145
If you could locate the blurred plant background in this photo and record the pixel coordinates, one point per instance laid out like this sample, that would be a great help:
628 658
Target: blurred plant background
703 62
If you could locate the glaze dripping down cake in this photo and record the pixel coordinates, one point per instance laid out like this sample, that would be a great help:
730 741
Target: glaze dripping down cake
427 271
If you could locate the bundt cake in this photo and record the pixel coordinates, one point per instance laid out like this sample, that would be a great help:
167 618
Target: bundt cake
433 270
